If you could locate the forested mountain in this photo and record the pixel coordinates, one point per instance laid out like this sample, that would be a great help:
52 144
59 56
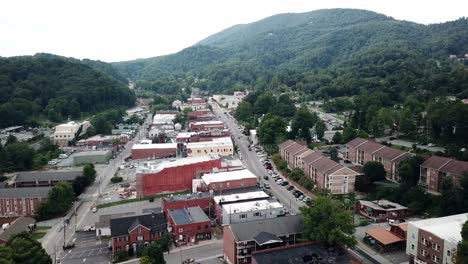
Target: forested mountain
43 86
331 52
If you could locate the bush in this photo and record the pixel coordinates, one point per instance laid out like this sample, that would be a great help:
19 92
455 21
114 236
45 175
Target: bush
116 179
363 222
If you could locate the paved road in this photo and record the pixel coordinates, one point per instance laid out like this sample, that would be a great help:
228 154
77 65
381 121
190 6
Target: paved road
252 162
328 116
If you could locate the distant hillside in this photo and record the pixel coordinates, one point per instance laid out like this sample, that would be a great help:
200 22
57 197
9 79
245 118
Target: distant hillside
331 52
47 86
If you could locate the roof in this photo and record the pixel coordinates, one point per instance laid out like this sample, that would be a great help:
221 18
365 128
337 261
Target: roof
19 225
122 226
285 225
264 238
384 236
104 220
92 153
27 192
310 252
356 142
240 197
312 157
326 165
389 153
383 205
223 141
52 175
155 146
156 166
447 228
251 206
188 215
286 143
446 165
295 147
228 176
370 146
212 122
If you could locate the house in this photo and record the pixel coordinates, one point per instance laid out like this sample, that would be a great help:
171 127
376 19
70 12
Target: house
134 233
220 181
382 210
388 240
43 178
22 224
189 225
173 175
251 211
103 225
305 253
241 240
434 240
360 151
22 201
435 169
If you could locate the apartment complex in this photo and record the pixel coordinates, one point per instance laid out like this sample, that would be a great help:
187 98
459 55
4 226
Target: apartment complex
435 169
22 201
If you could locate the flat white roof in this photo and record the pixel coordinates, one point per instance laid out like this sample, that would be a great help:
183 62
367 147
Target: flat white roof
163 118
236 208
186 134
154 167
383 205
225 141
212 122
240 196
447 228
228 176
155 146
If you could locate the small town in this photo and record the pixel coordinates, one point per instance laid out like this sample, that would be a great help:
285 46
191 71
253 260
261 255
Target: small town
205 156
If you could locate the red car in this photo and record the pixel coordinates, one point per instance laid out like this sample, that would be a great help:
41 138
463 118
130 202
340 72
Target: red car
268 166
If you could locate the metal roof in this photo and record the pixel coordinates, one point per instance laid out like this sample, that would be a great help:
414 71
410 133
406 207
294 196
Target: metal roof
188 215
53 175
279 226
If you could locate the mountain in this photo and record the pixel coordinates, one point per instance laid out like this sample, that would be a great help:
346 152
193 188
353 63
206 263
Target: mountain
332 52
43 86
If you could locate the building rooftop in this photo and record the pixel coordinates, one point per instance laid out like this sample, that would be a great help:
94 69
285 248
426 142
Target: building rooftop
228 198
279 226
356 142
27 192
155 166
231 162
122 226
447 228
384 236
446 165
188 215
212 122
52 175
252 206
216 142
383 205
228 176
71 126
155 146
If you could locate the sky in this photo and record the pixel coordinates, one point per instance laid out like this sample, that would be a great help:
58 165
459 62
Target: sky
125 30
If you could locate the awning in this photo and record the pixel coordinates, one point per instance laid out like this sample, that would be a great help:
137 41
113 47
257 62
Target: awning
384 236
264 238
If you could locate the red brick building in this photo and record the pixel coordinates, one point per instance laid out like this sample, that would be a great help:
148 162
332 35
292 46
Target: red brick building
154 151
21 201
173 176
189 225
382 210
202 200
134 233
435 169
199 126
360 151
289 150
227 180
202 115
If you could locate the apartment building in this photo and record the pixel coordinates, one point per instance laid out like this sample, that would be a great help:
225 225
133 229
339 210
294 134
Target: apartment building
435 169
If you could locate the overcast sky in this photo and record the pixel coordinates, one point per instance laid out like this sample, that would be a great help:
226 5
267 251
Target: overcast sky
125 30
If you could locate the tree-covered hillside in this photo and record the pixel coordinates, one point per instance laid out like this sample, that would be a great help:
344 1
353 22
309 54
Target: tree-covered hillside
43 86
322 53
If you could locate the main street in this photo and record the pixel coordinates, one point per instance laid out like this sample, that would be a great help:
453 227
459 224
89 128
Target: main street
253 163
54 239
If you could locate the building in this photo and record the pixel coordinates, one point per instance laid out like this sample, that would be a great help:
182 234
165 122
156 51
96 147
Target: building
360 151
22 224
96 156
229 101
289 150
134 233
308 252
22 201
202 115
222 146
123 129
103 225
220 181
435 169
382 210
236 196
175 175
67 133
103 141
147 150
164 118
43 178
204 200
251 211
253 137
388 240
199 126
241 240
189 225
434 240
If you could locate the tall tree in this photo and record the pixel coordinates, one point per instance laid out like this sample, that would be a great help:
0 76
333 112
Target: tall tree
302 122
409 170
22 248
462 248
154 253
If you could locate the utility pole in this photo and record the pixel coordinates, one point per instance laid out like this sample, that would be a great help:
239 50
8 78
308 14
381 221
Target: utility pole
64 227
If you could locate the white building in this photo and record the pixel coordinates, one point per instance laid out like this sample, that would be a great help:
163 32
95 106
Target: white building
65 133
221 146
434 240
162 119
250 211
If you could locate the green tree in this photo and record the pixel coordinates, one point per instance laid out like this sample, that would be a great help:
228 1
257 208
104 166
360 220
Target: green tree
334 154
11 139
320 128
409 170
22 248
373 171
244 111
302 122
89 172
271 132
337 138
60 198
328 221
155 253
461 256
263 103
101 125
407 125
145 260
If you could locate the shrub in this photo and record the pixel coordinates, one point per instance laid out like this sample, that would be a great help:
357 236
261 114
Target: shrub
116 179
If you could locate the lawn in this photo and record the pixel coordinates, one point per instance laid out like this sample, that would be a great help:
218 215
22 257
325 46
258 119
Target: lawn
126 201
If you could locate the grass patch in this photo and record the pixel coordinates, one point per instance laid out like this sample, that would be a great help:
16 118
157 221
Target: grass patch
37 236
42 228
138 199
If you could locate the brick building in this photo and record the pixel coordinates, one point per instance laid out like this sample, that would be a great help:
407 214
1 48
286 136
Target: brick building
202 115
204 200
251 211
382 210
153 151
434 240
43 178
388 240
435 169
226 180
241 240
134 233
289 150
199 126
360 151
222 146
22 201
189 225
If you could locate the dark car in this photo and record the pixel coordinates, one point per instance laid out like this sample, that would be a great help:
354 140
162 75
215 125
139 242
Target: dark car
298 194
266 177
68 246
284 183
290 187
268 166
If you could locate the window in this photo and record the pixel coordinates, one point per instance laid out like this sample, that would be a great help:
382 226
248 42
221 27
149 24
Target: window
139 230
257 214
448 252
412 246
126 238
243 216
181 230
140 238
206 226
198 227
436 247
423 241
423 252
435 258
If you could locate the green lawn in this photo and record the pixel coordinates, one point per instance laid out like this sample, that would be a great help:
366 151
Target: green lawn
38 235
138 199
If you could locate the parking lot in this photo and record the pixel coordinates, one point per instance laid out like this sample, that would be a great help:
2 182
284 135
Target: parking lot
87 250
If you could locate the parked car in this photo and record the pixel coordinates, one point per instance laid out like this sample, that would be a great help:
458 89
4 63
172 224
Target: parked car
284 183
266 177
290 187
89 228
94 209
298 194
68 246
266 185
268 166
431 145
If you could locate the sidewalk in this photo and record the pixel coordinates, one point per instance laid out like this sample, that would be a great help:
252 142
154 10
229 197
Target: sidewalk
371 253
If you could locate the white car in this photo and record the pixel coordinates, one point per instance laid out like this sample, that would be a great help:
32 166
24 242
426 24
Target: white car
94 209
89 228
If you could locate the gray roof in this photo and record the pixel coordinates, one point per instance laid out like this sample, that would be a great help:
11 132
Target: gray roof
55 175
121 226
19 225
264 238
279 226
28 192
188 215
